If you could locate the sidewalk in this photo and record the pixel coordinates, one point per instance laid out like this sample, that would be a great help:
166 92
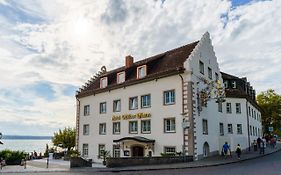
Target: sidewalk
63 166
207 162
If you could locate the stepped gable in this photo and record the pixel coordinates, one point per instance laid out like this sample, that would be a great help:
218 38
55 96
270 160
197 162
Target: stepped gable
165 64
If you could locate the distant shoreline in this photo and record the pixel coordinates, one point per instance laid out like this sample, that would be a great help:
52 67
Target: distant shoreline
17 137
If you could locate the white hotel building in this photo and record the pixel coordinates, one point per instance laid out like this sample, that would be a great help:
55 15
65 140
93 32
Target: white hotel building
168 103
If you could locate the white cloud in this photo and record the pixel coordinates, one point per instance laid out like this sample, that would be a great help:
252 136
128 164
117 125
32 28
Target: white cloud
73 39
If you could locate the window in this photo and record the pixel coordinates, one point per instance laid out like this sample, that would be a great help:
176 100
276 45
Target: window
86 129
169 125
141 71
225 84
252 112
103 108
116 127
228 108
103 82
133 103
85 150
169 97
230 129
121 77
101 150
116 105
201 67
251 131
205 126
220 106
238 108
102 129
116 151
233 84
249 110
255 114
169 150
221 129
86 110
239 128
210 73
145 126
217 76
145 101
133 127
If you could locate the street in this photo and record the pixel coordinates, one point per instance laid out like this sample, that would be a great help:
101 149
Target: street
268 165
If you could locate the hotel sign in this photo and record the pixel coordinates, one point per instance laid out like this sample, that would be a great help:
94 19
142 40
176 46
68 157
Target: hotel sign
131 116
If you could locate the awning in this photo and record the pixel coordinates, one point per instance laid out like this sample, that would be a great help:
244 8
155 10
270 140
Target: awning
137 138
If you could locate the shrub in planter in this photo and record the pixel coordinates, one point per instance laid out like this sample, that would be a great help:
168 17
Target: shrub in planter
12 157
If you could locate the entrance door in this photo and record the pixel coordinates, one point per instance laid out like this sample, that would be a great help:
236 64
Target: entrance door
206 149
137 151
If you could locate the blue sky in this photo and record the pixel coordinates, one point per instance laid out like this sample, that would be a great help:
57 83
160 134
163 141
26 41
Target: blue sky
48 50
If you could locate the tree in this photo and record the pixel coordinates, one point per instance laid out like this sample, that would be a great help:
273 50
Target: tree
270 102
65 138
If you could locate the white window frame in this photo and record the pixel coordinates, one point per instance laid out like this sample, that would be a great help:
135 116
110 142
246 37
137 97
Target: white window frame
102 107
233 84
133 103
169 125
205 126
117 105
103 82
102 129
133 127
121 77
170 150
101 148
238 108
228 108
145 126
221 129
229 128
86 129
116 151
146 101
239 129
140 70
171 97
86 110
219 106
210 73
201 67
85 150
116 126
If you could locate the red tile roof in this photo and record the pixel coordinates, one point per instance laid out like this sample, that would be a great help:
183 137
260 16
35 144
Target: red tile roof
158 66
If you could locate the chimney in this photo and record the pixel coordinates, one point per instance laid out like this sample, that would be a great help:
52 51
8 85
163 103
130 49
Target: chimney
129 61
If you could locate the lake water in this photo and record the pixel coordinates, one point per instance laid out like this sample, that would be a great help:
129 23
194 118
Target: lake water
28 145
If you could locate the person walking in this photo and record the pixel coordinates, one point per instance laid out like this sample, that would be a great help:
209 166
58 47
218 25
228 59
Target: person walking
225 149
262 147
259 142
238 151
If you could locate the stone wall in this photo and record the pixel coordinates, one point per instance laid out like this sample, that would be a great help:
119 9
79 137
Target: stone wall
132 161
79 162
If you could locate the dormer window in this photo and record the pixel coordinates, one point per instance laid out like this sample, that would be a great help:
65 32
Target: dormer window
141 71
234 84
120 77
103 82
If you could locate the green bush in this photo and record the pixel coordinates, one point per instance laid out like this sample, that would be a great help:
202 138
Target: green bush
168 154
12 157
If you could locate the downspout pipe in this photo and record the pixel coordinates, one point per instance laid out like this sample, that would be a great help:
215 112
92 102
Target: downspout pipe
77 121
182 113
248 126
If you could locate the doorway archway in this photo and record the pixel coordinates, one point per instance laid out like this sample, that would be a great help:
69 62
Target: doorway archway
206 149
